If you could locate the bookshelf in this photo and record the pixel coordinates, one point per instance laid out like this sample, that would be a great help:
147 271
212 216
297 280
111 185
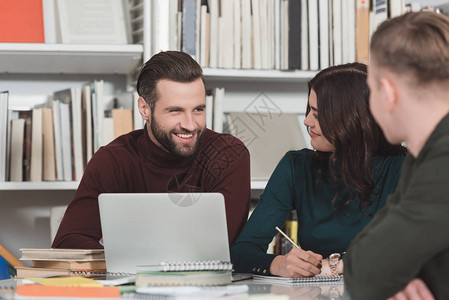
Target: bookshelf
31 72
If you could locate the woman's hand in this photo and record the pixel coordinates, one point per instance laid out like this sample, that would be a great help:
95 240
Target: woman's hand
297 263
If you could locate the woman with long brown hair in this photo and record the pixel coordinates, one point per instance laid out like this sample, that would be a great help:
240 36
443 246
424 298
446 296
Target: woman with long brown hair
335 188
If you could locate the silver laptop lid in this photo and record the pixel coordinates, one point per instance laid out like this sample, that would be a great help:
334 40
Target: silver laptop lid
147 229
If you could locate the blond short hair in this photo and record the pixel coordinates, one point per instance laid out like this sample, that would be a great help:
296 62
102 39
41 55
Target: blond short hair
415 44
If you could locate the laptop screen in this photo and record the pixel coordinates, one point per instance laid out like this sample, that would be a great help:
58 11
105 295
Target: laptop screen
147 229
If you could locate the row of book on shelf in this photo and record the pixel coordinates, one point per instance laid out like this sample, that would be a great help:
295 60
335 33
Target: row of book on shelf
238 34
270 34
54 141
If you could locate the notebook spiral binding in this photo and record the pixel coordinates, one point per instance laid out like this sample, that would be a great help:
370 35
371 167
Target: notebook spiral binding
100 273
319 279
210 265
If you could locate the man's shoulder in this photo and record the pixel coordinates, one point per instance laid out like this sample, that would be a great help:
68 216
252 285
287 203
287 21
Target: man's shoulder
127 143
220 140
216 146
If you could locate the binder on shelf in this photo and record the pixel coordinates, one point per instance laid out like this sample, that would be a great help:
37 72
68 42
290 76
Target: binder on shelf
97 88
237 34
27 115
65 124
314 52
362 27
160 20
50 24
214 10
86 108
294 35
219 94
189 30
204 25
323 10
36 146
380 11
226 34
348 30
48 145
21 21
246 35
304 35
337 32
58 139
4 129
17 140
97 22
122 121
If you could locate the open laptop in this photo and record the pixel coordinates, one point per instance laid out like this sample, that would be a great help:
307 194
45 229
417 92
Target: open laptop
147 229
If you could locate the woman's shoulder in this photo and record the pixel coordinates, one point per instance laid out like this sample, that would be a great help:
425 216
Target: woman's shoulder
390 165
299 155
296 160
397 159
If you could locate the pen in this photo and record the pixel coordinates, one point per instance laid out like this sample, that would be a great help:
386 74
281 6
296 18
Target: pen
286 236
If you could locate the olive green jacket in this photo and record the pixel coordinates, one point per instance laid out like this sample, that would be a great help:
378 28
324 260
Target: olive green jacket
409 237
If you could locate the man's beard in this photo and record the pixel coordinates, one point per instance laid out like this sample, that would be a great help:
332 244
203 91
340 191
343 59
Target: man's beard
166 140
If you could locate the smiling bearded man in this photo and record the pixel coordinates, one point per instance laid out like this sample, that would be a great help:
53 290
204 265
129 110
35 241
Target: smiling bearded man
173 153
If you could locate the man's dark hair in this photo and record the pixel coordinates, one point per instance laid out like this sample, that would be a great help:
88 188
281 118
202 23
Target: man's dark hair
172 65
346 122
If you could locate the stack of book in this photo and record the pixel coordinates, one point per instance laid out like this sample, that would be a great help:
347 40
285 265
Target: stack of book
62 262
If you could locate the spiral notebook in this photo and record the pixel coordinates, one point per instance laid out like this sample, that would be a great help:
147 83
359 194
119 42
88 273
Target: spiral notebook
179 266
164 230
299 280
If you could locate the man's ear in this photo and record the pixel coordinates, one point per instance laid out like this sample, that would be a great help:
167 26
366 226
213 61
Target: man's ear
144 109
391 93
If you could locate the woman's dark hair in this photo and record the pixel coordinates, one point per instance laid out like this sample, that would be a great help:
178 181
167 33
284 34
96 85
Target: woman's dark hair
173 65
346 122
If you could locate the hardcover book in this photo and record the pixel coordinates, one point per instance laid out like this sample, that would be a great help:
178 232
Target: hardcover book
60 254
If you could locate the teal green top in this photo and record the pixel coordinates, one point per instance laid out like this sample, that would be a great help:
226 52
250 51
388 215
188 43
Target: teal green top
322 228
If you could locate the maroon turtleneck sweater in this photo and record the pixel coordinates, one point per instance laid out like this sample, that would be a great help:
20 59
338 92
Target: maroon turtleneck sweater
132 163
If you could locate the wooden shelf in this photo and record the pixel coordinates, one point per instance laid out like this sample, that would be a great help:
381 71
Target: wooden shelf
73 185
45 185
257 75
25 58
